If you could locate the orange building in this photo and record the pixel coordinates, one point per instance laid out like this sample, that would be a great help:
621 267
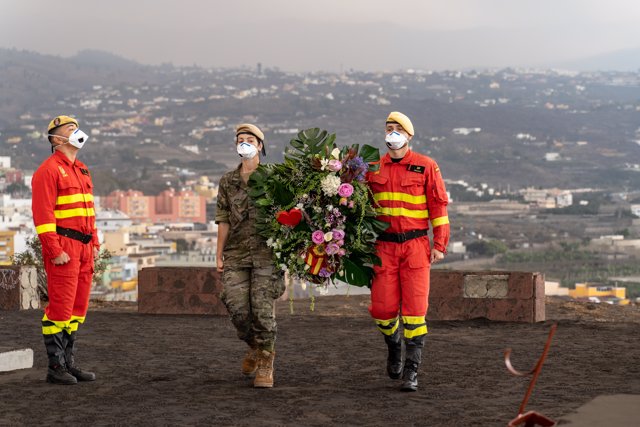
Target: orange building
168 206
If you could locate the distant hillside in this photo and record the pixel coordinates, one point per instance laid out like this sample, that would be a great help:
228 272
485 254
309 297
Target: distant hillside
621 60
30 78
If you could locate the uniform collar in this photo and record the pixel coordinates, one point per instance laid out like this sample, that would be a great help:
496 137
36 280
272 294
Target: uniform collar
405 160
61 157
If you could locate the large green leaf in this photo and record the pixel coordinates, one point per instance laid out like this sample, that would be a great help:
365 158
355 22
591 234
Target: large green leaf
356 275
369 154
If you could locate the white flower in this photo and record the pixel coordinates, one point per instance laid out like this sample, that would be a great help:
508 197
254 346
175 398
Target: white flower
330 207
284 268
317 209
330 185
324 163
299 206
270 241
328 236
336 153
278 254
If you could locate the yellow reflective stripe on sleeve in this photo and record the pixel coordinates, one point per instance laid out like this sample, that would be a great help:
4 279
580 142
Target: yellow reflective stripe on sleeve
412 333
74 198
440 221
46 228
410 213
402 197
68 213
73 327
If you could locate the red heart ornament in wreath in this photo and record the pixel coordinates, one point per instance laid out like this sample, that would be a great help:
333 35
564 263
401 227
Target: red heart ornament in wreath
291 218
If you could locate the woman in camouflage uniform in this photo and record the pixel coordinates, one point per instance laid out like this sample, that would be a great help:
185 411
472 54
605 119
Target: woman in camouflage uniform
251 284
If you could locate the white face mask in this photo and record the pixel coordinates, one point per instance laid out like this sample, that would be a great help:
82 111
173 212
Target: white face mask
395 140
246 150
77 138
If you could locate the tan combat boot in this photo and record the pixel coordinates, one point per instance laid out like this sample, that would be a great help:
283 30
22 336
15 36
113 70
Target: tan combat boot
264 374
250 361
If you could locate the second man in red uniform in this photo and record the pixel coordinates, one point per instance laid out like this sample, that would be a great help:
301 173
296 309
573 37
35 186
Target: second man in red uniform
408 192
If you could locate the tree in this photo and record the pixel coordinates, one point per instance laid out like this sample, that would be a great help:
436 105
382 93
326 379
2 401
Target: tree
33 257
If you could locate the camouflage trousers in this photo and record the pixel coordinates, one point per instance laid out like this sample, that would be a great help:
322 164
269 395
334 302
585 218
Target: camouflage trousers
249 295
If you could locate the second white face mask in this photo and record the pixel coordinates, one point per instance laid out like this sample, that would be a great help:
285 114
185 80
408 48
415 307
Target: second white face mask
246 150
395 140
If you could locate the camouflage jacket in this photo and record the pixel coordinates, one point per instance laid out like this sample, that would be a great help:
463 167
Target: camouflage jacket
244 247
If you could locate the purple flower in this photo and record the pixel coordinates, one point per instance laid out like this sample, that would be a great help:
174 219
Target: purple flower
345 190
324 273
338 234
317 237
334 165
332 249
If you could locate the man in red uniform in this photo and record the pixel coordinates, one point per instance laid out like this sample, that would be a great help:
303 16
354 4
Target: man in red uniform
408 192
64 217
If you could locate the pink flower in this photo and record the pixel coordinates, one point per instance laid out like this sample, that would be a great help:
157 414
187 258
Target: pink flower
317 237
338 234
351 204
334 165
340 243
342 252
345 190
332 249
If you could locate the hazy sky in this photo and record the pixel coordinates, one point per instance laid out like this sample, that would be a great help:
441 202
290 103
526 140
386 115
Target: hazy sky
326 34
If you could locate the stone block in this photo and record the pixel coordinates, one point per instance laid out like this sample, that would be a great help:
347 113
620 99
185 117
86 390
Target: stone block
499 295
18 288
11 360
446 284
486 285
180 290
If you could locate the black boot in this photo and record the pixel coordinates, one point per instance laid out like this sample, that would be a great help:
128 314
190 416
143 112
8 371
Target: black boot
394 358
411 364
69 353
57 372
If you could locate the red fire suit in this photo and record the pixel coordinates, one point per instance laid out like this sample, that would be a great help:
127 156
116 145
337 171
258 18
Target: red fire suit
63 197
407 194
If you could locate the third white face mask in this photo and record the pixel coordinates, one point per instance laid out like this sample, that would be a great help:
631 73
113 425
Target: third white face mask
395 140
246 150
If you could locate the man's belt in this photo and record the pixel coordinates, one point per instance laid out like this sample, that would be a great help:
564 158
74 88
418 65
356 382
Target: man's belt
74 234
402 237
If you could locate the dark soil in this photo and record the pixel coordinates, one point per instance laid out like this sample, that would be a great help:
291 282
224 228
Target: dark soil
330 369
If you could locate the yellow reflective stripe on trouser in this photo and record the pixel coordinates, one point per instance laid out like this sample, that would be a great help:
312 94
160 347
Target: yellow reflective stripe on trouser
51 327
74 198
46 228
410 213
68 213
414 326
75 322
402 197
387 327
435 222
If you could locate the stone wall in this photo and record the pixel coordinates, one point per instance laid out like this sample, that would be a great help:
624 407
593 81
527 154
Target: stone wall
180 290
494 295
18 288
455 295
